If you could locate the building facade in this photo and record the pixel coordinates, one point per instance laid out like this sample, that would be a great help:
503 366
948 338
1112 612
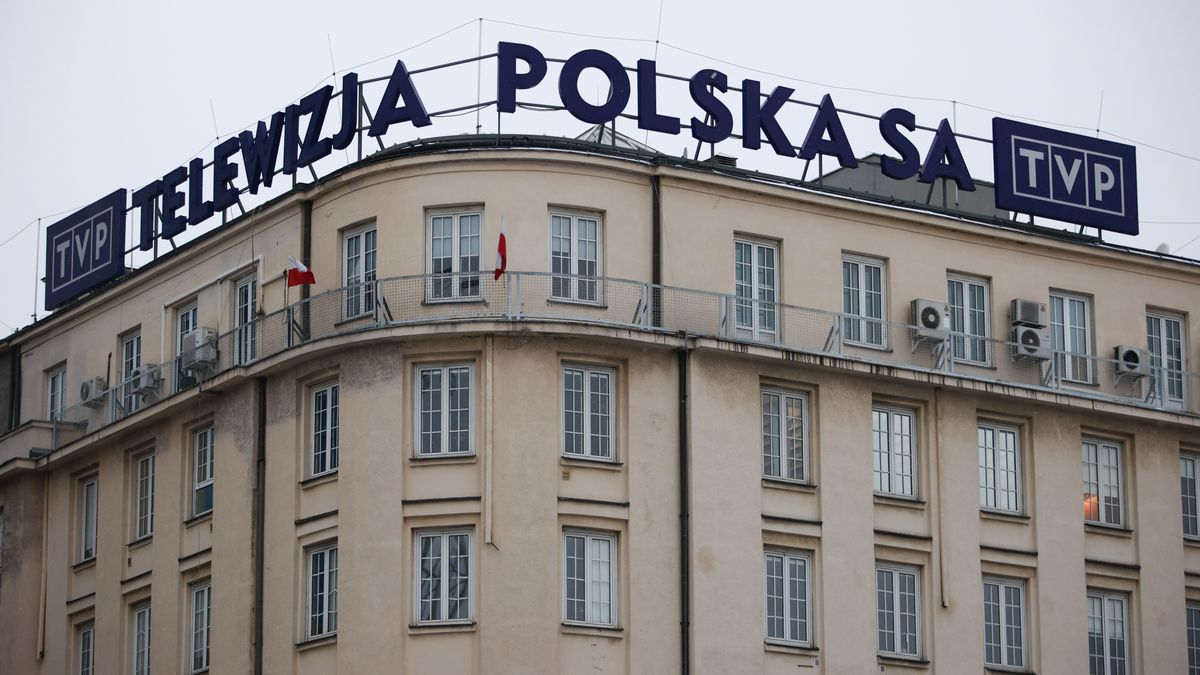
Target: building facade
697 426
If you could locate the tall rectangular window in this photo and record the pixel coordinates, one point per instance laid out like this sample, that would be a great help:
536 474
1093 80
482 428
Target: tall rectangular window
56 393
788 599
322 591
1193 638
445 409
203 445
131 360
754 284
1071 331
590 579
1103 484
358 271
454 243
143 501
968 300
324 457
898 619
245 314
588 412
201 625
999 468
575 250
141 639
1003 623
89 493
893 448
784 435
85 659
1108 633
863 301
444 577
1188 485
1165 341
185 323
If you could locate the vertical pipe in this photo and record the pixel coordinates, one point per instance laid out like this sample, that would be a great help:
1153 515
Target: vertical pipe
685 582
260 528
306 209
656 248
14 387
941 495
41 653
488 417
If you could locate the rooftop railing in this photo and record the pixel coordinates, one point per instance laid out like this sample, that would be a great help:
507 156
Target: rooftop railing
635 305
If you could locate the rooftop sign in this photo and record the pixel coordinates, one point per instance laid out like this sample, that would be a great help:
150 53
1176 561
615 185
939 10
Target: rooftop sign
85 249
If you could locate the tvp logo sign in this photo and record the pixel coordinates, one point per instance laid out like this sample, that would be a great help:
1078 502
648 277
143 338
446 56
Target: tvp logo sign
1064 176
85 249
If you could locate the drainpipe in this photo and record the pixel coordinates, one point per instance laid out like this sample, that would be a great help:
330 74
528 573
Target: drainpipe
14 387
306 209
656 250
685 582
260 501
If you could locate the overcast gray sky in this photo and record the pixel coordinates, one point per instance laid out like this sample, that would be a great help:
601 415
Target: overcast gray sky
107 95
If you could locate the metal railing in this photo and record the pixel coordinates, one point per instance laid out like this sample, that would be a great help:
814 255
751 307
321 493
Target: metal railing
541 296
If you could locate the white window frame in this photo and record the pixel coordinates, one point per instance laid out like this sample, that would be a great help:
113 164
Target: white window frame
589 580
1106 602
1189 488
460 284
970 319
143 496
779 460
141 628
56 392
359 270
756 300
1074 360
131 360
85 643
786 559
999 467
442 601
1168 380
185 324
894 452
201 625
572 285
443 434
1011 655
203 456
895 572
89 522
321 621
1105 452
245 319
593 438
1192 626
857 323
324 455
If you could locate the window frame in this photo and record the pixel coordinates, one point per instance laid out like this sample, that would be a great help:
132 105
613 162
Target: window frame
1065 354
201 482
805 455
131 360
859 320
138 639
189 314
89 520
245 319
202 587
895 570
892 411
456 276
358 288
1101 519
56 408
143 495
1105 597
1192 459
763 311
444 368
327 616
589 536
996 429
330 435
1158 346
572 279
443 599
85 648
1192 628
587 371
786 557
1003 584
963 340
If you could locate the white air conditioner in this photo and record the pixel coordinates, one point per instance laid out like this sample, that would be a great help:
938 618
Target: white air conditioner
199 350
931 320
1131 361
144 379
1031 343
92 391
1027 313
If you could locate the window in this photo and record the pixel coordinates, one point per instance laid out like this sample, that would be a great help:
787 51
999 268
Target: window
1164 338
358 272
1003 623
445 409
1070 328
245 313
322 591
56 394
1187 479
788 598
863 300
968 300
589 577
575 246
88 496
86 641
202 465
784 435
185 323
898 611
201 624
443 577
1193 638
588 412
1108 652
1102 483
999 468
454 255
754 283
131 360
893 446
143 502
324 429
141 639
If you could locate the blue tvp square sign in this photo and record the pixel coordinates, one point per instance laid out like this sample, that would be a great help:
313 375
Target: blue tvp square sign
1077 179
85 249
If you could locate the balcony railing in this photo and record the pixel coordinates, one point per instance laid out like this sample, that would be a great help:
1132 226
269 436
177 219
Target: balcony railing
636 305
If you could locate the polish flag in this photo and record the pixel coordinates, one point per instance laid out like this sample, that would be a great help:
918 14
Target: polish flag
501 253
298 274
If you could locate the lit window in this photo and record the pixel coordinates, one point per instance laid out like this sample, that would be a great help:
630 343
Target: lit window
445 410
999 468
324 457
863 301
968 300
588 420
185 323
201 625
245 320
143 500
897 605
141 639
86 657
131 360
589 578
1187 479
444 577
1003 623
1070 328
202 476
56 386
1164 338
575 250
784 434
893 447
358 272
322 591
788 598
1108 634
1193 638
754 283
454 242
1102 483
88 501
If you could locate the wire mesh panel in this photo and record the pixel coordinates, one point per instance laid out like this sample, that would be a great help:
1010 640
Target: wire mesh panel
608 301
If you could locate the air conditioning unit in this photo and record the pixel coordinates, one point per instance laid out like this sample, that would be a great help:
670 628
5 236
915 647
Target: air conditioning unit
1031 343
1027 313
144 379
1131 361
199 350
931 319
92 391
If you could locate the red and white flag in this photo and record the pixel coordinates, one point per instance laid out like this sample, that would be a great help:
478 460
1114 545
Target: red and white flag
298 274
501 253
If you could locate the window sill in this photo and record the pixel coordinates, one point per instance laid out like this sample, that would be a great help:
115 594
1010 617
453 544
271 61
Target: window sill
314 481
443 627
784 647
1005 516
84 564
1001 670
353 319
903 661
475 300
196 520
570 301
1191 541
590 463
316 642
1110 530
444 458
614 632
792 485
863 345
897 500
140 543
974 364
